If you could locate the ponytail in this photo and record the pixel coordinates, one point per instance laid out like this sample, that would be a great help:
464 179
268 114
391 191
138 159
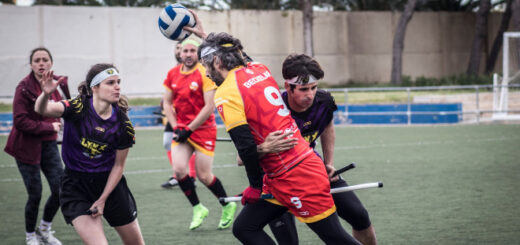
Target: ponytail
84 89
123 103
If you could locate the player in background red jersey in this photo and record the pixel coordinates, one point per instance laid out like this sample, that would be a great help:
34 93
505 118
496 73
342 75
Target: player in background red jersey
188 104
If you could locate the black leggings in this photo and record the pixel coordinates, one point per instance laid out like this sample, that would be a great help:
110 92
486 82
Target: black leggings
249 224
350 208
284 229
52 168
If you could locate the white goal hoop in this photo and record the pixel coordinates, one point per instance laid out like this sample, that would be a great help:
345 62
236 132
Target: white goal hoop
501 83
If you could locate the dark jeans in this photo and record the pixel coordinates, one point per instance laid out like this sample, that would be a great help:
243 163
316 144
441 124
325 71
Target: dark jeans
52 168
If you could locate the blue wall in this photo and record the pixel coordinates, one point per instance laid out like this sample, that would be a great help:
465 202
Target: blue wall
143 116
397 114
6 122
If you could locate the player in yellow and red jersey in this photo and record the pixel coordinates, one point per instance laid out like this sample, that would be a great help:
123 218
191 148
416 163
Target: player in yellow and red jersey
191 117
251 106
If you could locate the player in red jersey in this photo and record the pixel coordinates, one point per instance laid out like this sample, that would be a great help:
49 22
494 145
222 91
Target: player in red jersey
188 105
251 106
168 135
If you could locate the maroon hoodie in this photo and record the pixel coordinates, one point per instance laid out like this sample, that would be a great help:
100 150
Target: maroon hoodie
29 127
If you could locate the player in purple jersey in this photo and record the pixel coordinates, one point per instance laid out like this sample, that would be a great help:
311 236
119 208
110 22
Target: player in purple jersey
96 141
313 109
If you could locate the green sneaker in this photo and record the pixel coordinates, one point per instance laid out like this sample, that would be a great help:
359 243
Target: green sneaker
199 213
228 214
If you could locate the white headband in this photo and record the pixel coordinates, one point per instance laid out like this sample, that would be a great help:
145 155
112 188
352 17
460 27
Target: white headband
103 75
302 80
207 51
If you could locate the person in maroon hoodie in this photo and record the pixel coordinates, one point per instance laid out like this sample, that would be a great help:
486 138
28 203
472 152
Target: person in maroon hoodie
32 142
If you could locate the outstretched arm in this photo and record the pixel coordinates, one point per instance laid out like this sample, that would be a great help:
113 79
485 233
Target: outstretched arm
198 30
42 105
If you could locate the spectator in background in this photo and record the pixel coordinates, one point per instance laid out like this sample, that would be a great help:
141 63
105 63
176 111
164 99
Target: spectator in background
32 142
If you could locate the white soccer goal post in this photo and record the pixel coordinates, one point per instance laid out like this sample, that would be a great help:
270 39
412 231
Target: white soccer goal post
510 73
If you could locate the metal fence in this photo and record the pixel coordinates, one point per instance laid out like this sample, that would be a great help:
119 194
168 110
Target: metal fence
478 101
454 104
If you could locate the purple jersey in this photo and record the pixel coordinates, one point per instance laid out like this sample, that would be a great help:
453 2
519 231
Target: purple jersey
90 142
314 120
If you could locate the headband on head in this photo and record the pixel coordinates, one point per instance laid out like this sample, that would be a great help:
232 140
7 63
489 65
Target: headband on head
190 41
302 80
103 75
207 51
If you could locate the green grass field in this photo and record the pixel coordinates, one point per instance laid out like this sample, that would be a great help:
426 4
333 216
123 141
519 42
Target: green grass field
442 185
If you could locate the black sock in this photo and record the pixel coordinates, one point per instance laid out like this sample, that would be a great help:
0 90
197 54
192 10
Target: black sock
217 189
187 186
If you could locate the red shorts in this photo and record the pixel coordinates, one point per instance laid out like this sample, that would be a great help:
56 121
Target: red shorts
304 190
203 140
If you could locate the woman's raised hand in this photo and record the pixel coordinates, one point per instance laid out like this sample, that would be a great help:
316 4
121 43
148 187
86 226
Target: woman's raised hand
47 83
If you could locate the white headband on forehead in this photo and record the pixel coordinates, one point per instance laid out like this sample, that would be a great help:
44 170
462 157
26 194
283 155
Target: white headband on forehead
207 51
103 75
301 80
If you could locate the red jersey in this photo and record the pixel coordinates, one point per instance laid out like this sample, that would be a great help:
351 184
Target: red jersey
188 93
250 95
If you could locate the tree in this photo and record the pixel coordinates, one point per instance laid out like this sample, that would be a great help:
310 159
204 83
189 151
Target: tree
398 45
480 38
499 38
254 4
308 47
515 8
449 5
375 5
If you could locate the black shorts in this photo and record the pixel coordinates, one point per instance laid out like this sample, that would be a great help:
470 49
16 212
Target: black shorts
350 208
80 190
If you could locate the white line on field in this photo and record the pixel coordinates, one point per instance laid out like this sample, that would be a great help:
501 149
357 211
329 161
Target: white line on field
147 171
419 143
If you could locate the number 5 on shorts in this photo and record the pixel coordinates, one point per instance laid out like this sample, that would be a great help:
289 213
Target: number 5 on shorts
296 201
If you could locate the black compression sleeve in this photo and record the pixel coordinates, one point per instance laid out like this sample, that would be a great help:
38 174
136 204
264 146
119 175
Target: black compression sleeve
246 146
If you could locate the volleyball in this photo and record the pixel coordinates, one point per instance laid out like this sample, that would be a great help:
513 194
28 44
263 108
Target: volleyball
172 19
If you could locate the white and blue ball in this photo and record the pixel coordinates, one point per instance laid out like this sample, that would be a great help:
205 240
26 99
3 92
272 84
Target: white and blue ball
172 19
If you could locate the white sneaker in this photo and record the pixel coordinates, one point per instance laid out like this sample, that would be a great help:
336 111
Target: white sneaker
46 237
170 183
32 241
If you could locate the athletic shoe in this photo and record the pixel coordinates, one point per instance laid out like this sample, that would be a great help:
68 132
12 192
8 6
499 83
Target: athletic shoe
46 237
32 241
228 214
170 183
199 213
